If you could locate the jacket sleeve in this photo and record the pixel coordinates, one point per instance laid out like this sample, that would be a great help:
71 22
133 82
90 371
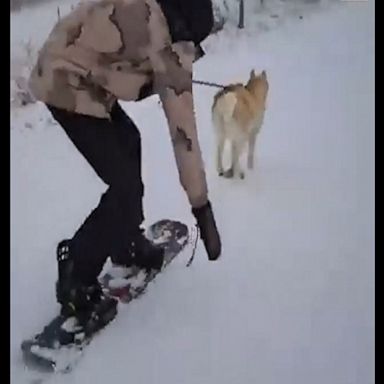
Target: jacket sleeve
172 68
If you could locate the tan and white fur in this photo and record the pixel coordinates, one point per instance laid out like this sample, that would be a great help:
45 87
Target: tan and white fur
238 114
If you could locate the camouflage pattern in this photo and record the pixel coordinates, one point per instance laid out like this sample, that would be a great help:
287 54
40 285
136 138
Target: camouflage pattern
122 49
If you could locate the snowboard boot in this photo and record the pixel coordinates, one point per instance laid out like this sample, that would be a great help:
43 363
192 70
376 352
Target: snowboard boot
86 302
140 252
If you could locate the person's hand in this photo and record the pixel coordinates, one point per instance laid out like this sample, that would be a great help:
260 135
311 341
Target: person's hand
208 230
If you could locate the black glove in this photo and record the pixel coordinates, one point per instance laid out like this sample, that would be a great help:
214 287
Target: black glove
208 230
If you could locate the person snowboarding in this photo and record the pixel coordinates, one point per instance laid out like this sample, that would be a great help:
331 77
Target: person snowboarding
102 52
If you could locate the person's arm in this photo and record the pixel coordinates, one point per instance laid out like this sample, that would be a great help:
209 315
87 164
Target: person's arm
173 81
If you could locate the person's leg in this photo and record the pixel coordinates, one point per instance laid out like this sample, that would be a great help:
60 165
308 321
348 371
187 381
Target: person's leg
134 248
113 150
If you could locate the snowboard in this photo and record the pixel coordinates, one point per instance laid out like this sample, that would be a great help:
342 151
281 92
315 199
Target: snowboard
61 343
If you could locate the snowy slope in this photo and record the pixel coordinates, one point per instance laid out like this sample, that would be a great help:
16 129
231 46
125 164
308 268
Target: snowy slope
291 301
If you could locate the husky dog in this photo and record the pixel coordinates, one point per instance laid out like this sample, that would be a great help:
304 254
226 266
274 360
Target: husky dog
237 114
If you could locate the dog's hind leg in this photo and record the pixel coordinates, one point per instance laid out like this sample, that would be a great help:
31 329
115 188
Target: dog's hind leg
235 169
219 153
238 147
251 149
219 125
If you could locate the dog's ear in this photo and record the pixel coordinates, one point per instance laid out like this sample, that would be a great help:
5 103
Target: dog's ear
252 74
264 74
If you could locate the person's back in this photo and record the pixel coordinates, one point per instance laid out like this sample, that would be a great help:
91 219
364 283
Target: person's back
101 52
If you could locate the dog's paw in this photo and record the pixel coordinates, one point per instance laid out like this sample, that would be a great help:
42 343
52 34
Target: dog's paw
242 175
228 174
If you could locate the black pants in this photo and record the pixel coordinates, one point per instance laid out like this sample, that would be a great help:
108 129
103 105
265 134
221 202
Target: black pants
113 149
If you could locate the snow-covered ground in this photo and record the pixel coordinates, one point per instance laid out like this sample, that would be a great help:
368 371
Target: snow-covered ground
292 298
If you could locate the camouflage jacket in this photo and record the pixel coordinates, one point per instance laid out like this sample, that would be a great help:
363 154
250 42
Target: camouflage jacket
122 49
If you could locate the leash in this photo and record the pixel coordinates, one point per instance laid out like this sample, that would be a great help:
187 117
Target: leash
194 247
209 84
